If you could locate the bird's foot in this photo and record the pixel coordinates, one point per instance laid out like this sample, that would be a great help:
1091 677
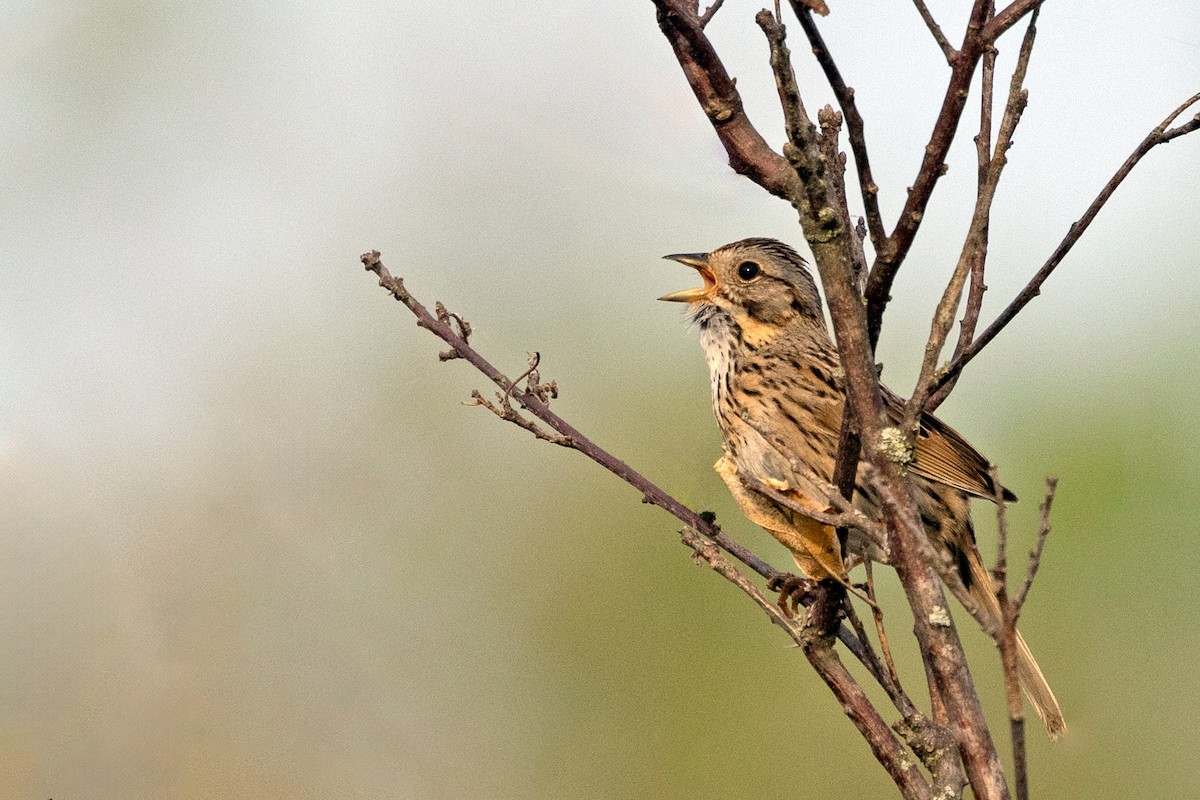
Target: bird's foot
796 588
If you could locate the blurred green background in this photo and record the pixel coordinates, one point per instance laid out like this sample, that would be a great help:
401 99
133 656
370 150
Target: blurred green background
251 544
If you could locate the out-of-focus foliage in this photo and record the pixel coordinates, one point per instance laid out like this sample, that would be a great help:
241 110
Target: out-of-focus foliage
251 544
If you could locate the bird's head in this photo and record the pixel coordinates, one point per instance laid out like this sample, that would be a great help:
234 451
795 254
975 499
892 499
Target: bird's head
760 284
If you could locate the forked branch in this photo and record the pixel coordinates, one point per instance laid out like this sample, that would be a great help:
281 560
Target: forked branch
974 250
1161 134
1010 612
814 633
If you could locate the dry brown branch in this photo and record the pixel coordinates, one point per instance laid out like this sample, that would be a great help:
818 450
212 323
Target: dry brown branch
1162 134
508 414
1006 641
821 624
895 693
974 250
868 189
983 158
880 630
796 122
889 257
829 239
1010 16
1035 555
947 49
710 12
931 743
818 650
749 153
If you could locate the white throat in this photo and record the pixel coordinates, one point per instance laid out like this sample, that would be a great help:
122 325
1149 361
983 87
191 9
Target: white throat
717 340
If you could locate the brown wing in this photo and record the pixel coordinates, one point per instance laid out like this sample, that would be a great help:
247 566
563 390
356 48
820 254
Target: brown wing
943 455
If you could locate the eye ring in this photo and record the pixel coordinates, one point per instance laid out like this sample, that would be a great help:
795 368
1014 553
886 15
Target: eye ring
748 270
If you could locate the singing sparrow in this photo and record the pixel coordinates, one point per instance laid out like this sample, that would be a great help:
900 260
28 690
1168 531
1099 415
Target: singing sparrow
778 393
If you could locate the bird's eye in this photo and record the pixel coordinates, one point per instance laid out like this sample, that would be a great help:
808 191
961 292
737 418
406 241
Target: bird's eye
747 270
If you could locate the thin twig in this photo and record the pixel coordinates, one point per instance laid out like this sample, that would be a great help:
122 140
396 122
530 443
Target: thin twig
710 12
1035 555
534 360
977 287
796 122
1000 571
1016 731
651 493
508 414
816 647
716 92
1009 17
944 43
975 245
932 743
898 698
942 759
854 123
880 631
983 142
889 257
1007 642
1160 135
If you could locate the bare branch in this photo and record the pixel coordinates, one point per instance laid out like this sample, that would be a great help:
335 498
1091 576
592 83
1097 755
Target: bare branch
887 679
1016 731
974 249
854 123
931 740
508 414
818 650
1035 555
710 12
1000 571
977 287
796 121
1006 640
651 493
1009 17
749 153
889 257
1187 127
983 141
462 326
1160 135
944 43
880 631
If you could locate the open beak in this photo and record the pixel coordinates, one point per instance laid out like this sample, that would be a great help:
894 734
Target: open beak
699 262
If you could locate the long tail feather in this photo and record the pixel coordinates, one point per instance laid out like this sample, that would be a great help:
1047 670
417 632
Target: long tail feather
1041 697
